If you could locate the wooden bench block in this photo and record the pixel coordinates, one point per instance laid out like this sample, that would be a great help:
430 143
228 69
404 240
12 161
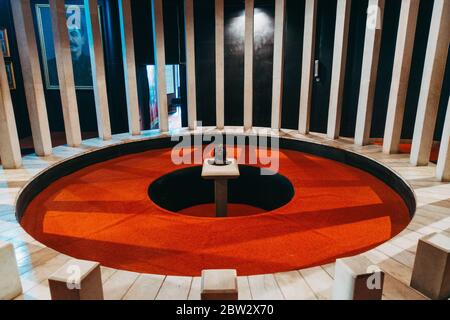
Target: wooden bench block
219 285
10 285
77 280
356 278
431 273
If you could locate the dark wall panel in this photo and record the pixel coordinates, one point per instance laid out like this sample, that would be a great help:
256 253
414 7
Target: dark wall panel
385 65
143 32
175 46
205 61
263 62
234 16
234 62
293 50
354 63
418 59
144 55
17 95
174 31
443 105
114 67
326 22
174 40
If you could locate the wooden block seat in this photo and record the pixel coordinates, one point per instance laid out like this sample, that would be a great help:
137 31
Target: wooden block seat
77 280
431 272
10 285
356 278
219 285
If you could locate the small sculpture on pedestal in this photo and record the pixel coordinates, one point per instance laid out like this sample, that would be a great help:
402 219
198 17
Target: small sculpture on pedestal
220 156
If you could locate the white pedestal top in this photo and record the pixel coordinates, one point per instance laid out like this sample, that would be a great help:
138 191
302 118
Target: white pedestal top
229 171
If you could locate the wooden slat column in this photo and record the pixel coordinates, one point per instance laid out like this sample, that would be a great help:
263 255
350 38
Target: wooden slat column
372 44
432 78
66 80
98 69
160 62
309 41
338 69
400 75
248 63
9 140
443 164
220 64
190 63
32 78
129 66
278 64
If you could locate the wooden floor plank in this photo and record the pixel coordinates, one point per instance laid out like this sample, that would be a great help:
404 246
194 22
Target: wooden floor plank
39 292
319 281
146 287
265 287
24 250
399 254
407 240
175 288
42 272
396 290
107 273
195 291
118 285
293 286
37 258
244 288
422 229
329 268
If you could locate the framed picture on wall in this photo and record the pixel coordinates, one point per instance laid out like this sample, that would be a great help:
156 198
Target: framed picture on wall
4 43
79 45
10 75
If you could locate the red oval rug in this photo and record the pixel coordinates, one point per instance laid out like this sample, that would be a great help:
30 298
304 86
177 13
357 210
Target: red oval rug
103 213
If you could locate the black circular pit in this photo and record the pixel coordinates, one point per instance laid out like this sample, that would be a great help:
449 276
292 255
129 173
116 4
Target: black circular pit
185 188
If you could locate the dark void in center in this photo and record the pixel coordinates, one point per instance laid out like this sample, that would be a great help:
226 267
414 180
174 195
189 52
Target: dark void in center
185 192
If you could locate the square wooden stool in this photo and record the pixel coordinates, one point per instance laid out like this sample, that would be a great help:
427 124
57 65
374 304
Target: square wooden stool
10 285
431 272
77 280
219 285
356 278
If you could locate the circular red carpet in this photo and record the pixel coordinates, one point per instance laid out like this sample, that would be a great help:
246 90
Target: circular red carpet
103 213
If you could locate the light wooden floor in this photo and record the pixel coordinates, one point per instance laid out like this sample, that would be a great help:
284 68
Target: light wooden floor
396 257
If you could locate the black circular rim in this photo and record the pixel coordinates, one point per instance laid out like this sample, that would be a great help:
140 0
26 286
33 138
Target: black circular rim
71 165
